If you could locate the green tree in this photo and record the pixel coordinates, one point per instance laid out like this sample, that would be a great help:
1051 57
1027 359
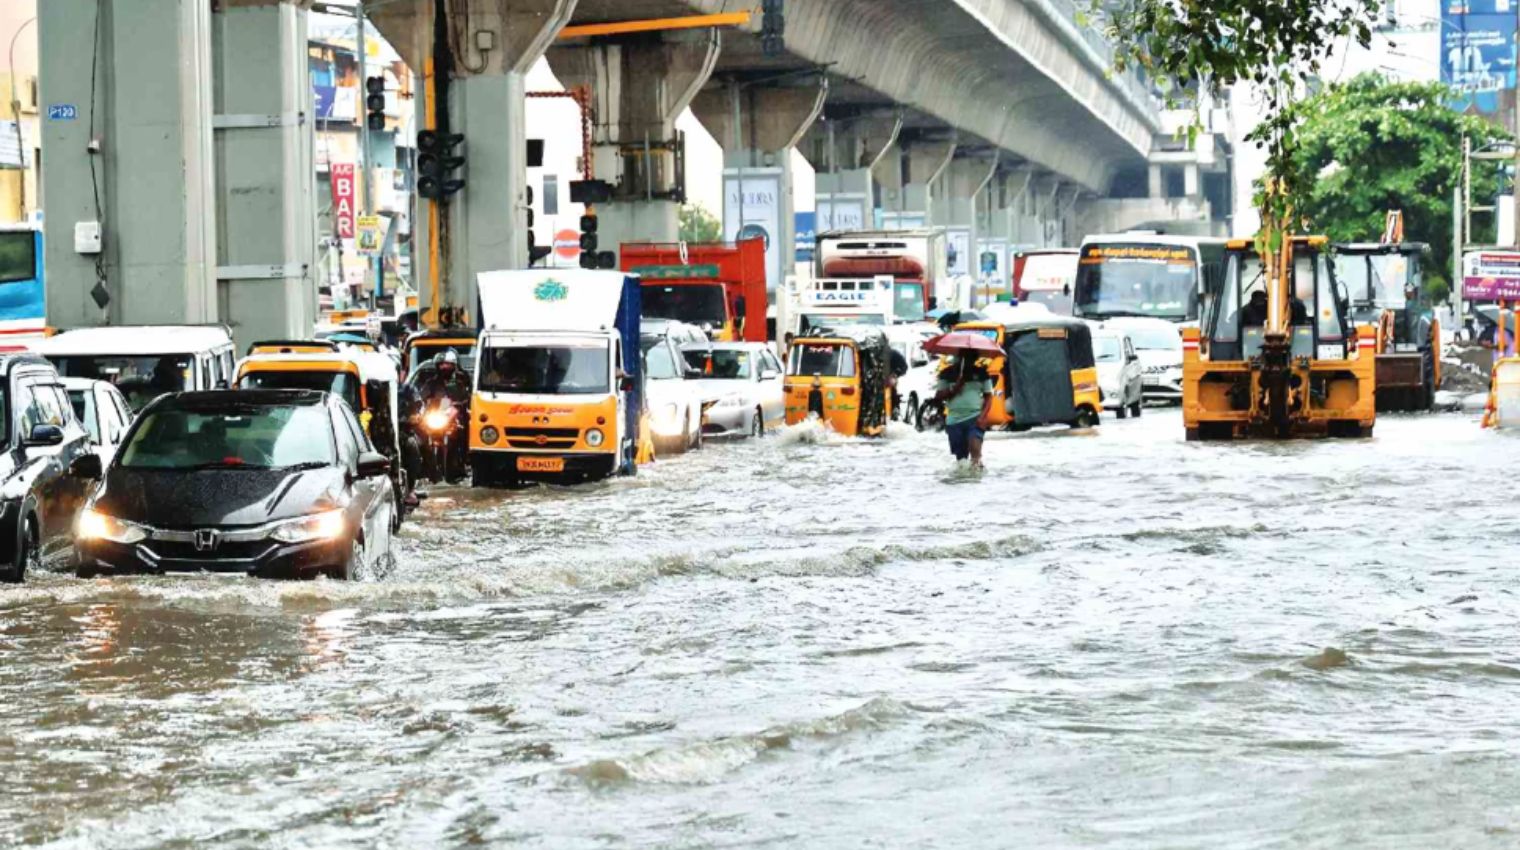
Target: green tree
699 225
1277 46
1373 145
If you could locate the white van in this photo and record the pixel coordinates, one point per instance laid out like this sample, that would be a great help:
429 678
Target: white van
145 361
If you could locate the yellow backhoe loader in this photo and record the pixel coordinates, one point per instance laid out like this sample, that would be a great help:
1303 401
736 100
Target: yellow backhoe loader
1277 354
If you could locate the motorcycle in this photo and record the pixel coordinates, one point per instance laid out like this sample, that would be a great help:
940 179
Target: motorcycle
442 452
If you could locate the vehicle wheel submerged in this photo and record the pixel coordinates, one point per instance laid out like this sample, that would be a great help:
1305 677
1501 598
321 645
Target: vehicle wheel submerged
29 558
757 425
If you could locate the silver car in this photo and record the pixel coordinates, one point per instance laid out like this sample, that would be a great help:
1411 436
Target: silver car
744 382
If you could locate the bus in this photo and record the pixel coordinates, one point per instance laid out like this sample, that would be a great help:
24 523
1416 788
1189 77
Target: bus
1045 276
22 309
1147 275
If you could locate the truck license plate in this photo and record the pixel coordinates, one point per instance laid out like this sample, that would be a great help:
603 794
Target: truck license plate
540 464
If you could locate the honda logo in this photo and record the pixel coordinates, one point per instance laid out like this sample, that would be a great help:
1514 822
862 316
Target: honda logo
206 539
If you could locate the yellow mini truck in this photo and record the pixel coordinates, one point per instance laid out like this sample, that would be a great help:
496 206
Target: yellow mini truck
841 377
1278 356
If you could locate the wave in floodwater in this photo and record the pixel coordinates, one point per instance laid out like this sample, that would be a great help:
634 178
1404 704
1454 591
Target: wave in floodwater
1106 639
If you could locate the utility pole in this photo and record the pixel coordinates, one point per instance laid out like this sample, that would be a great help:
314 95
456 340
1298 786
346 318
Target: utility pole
366 155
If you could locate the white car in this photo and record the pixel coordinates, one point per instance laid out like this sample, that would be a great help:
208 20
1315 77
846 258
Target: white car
1159 344
1119 376
744 382
673 399
103 411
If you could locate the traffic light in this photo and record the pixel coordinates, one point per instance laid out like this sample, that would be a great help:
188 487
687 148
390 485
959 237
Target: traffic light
772 28
374 103
436 163
535 253
588 241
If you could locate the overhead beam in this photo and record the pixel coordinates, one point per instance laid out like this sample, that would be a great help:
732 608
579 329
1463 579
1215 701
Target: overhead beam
685 22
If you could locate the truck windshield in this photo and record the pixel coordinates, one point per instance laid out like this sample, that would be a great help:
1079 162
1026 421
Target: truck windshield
1137 279
829 361
694 303
140 379
558 369
908 301
341 384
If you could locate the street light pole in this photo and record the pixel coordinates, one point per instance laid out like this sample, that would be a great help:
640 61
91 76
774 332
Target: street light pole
366 154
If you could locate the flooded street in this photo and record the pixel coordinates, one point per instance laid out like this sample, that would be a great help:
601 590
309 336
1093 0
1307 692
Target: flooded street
1114 639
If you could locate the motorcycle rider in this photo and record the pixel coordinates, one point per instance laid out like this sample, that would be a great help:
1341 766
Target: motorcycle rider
449 383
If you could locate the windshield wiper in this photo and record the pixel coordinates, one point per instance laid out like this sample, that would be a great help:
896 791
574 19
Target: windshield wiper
305 464
222 464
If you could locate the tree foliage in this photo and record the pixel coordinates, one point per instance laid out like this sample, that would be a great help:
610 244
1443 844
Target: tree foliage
1277 46
699 225
1371 145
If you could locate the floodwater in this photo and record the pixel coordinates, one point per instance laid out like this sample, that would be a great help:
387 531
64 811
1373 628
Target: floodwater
1111 639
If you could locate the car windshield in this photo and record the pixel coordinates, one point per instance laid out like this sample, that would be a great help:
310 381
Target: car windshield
421 352
833 361
658 360
1106 348
83 402
566 368
341 384
1155 339
140 379
1159 281
238 436
720 363
908 301
695 303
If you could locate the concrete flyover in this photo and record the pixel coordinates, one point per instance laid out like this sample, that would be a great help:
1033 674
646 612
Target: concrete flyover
1017 75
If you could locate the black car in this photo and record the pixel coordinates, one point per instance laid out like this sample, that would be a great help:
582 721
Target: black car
277 483
39 496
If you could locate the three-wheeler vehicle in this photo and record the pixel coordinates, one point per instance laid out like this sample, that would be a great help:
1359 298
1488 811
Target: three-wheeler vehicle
841 376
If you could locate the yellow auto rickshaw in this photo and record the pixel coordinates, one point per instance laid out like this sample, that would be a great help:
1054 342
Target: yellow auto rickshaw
365 380
1047 375
842 377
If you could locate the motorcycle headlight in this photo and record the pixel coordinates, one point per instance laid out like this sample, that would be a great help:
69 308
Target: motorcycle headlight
436 420
324 526
489 435
594 437
94 525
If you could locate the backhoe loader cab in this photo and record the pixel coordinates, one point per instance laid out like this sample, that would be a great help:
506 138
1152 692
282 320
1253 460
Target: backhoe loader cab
1278 357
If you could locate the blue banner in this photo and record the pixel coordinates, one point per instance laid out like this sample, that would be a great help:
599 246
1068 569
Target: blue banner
807 235
1478 53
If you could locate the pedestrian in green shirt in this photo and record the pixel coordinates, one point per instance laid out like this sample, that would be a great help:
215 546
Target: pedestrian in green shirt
966 392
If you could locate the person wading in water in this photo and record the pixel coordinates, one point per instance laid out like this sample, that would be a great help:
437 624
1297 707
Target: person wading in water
966 391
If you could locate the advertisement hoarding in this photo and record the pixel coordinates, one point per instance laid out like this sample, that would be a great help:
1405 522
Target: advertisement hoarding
1491 275
1478 56
751 208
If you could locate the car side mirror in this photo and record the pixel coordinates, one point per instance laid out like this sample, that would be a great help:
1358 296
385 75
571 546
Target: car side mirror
1132 358
372 464
44 435
692 373
87 467
626 384
767 374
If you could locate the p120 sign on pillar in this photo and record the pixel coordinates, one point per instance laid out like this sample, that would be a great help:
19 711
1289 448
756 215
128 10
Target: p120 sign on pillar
343 199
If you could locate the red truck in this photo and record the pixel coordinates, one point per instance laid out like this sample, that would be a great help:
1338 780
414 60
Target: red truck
718 286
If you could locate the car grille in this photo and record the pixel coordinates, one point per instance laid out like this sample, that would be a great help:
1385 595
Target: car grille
1158 370
225 550
551 433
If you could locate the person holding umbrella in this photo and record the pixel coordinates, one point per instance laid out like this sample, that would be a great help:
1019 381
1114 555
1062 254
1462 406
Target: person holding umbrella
965 390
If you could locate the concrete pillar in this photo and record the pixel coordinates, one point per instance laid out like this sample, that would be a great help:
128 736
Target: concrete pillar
926 161
149 183
266 205
638 90
758 128
844 154
953 207
484 227
1156 182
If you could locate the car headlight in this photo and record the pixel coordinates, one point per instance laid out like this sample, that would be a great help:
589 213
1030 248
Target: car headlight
594 437
323 526
489 435
94 525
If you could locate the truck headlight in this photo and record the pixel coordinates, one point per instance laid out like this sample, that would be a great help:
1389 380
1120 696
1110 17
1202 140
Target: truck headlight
94 525
489 435
324 526
594 437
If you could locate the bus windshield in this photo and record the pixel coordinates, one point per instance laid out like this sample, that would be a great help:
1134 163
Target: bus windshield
908 301
1137 279
18 255
693 303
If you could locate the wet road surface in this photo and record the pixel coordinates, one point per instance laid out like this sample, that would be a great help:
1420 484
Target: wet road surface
1113 639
